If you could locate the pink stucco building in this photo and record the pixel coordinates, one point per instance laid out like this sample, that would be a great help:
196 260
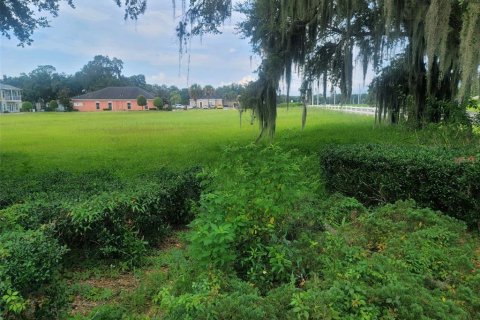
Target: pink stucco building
114 99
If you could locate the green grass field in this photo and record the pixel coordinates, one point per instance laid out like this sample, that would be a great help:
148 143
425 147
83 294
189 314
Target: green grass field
136 142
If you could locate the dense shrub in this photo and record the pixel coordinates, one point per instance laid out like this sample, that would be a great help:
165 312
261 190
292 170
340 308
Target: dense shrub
435 178
30 258
27 106
365 265
94 214
214 295
271 248
158 103
121 224
102 216
19 187
180 188
52 106
448 112
372 265
247 218
29 269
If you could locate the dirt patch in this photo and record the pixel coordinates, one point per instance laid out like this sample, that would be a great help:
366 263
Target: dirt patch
122 283
125 282
172 241
82 306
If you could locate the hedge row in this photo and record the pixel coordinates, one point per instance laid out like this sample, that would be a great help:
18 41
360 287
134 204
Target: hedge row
116 224
54 184
443 180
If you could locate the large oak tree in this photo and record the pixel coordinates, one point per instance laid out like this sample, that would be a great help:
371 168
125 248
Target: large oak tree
428 49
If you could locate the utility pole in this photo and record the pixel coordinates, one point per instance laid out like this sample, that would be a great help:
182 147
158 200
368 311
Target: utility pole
359 94
325 92
311 90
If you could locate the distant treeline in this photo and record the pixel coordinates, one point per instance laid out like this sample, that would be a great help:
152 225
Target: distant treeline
45 84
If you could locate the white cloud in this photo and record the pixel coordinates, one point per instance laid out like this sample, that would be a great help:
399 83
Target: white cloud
156 79
87 13
246 79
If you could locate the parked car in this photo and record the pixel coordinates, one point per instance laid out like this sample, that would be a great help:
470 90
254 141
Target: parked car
179 106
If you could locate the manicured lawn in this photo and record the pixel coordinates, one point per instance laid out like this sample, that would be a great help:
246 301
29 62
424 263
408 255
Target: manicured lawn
136 142
130 142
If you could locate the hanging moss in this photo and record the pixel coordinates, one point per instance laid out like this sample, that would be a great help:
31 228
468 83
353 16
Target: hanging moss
440 40
470 46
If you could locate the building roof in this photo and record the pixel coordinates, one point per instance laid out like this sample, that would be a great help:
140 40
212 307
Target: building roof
8 87
207 99
116 93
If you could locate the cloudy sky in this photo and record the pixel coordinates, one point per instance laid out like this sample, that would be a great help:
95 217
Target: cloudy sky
148 46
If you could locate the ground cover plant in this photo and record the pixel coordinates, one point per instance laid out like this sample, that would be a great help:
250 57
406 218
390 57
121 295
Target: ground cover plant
266 240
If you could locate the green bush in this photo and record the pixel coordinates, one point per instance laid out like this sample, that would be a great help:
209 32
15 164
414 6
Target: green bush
435 178
102 216
158 103
52 185
448 112
29 265
372 265
365 266
30 259
215 295
249 219
181 190
52 106
27 106
97 216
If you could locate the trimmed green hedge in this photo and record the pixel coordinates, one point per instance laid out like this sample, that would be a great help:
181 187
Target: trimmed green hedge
19 187
436 178
95 215
116 223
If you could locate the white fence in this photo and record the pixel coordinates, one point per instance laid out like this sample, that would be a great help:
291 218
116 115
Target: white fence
363 110
350 109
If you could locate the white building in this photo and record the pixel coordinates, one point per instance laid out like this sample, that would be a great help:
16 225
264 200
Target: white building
10 98
206 103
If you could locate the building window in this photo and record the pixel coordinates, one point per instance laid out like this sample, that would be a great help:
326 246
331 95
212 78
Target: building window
146 107
129 105
109 106
97 105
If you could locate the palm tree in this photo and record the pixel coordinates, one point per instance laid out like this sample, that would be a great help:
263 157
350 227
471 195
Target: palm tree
208 91
195 91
